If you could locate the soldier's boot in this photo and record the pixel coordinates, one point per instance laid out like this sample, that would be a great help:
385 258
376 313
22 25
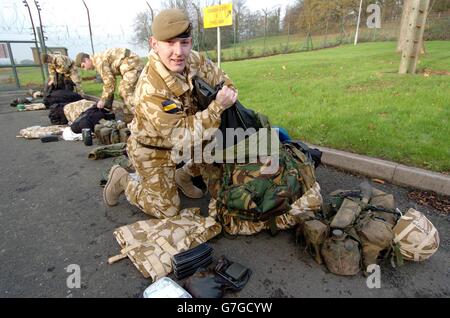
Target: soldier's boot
184 183
117 182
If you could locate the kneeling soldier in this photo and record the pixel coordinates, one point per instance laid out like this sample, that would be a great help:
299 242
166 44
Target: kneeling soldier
164 102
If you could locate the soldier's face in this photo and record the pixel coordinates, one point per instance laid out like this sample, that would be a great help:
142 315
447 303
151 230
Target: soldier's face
174 53
87 64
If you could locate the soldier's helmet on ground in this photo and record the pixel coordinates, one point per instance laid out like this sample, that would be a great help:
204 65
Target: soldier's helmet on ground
417 236
79 58
171 23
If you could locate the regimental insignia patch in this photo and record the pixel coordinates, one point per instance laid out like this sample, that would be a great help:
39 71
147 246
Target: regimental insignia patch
170 107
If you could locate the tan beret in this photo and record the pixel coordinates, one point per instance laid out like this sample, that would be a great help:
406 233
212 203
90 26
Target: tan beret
79 58
169 24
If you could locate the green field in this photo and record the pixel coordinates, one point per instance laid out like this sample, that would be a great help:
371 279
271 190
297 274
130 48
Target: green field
280 44
351 98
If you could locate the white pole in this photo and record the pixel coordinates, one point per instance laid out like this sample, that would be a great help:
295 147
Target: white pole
218 47
218 43
359 20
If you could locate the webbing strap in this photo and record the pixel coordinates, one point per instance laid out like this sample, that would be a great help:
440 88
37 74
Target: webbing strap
155 263
403 233
165 245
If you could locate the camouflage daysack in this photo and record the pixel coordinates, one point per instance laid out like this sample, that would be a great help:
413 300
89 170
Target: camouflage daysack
248 194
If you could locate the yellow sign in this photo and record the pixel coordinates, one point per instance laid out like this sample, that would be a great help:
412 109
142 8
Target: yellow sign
217 16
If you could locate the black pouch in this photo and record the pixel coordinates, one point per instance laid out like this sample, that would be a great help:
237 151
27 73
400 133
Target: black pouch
49 139
234 274
213 283
204 284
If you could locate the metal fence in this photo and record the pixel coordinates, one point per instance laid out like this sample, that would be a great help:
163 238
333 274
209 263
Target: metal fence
327 35
9 74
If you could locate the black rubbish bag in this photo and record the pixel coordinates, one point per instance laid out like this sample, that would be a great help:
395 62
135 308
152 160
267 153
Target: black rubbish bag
234 117
91 117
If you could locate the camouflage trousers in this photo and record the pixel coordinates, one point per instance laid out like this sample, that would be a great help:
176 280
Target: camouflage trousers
153 189
130 69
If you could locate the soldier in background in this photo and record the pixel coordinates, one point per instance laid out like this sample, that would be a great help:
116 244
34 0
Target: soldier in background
61 65
164 102
110 64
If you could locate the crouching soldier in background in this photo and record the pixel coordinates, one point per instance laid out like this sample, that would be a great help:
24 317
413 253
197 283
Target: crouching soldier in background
164 103
112 63
64 67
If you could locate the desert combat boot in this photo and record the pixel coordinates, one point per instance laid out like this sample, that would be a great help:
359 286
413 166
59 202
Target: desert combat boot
184 183
117 182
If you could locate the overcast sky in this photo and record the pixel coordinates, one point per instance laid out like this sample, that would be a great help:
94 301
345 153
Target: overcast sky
65 22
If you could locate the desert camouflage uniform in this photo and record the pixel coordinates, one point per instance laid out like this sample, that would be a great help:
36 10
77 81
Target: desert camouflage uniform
118 62
36 132
63 65
164 102
151 244
35 106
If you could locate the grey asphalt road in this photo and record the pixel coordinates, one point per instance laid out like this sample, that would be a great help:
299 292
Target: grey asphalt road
52 216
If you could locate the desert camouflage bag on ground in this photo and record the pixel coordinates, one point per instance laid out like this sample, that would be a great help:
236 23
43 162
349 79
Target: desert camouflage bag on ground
151 244
36 132
75 109
35 106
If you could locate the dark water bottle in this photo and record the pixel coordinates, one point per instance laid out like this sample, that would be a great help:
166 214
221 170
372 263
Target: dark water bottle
87 136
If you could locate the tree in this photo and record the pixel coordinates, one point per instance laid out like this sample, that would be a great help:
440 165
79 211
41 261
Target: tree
240 10
142 30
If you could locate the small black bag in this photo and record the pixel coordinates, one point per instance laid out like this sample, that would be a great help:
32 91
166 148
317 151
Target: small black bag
56 114
235 117
227 275
91 117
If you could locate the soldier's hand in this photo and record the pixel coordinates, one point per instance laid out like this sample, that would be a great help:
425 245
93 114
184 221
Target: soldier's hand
226 97
100 104
50 83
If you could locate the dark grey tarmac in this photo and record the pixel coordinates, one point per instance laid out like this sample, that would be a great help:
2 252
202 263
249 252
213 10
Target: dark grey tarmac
52 216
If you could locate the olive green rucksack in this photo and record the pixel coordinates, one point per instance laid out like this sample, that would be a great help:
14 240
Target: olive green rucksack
109 132
250 195
368 216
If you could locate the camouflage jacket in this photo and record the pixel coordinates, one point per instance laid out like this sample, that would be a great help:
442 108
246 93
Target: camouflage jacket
164 102
63 65
108 65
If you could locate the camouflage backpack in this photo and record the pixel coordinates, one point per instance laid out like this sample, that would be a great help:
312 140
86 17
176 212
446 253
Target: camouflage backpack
250 194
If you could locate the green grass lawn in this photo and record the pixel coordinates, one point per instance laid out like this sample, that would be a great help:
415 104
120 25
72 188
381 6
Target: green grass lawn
353 99
349 98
